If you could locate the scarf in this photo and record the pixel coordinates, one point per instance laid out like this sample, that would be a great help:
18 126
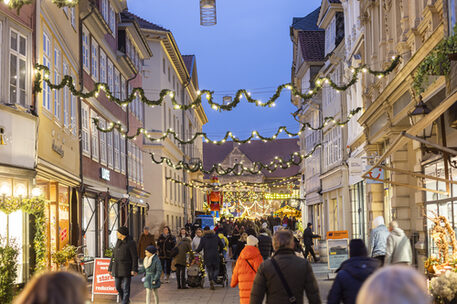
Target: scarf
148 261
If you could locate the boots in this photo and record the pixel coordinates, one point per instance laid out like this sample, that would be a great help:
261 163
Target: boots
211 285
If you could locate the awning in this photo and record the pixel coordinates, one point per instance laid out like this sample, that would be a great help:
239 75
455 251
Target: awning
410 134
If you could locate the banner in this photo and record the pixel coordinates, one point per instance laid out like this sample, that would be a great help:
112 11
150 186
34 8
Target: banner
102 281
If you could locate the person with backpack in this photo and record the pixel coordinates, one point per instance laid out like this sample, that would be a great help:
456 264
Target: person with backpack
246 269
165 244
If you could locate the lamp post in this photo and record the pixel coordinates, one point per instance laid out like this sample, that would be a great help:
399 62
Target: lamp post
208 12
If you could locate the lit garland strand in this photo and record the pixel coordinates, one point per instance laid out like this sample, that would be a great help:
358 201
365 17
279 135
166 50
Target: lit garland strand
18 4
228 135
238 169
139 92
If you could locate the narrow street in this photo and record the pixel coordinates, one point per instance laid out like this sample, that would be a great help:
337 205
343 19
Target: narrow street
168 293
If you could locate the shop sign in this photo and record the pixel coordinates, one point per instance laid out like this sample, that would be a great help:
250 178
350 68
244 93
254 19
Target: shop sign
102 282
377 173
104 174
337 247
356 166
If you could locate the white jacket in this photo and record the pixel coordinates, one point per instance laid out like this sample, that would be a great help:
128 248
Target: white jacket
398 248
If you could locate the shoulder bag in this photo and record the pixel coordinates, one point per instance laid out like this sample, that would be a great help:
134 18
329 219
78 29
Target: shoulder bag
292 299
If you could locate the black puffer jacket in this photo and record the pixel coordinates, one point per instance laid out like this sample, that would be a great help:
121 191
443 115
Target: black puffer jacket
165 243
125 258
351 275
265 245
298 274
212 246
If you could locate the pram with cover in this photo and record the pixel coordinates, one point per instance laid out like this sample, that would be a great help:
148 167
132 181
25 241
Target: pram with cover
222 277
195 272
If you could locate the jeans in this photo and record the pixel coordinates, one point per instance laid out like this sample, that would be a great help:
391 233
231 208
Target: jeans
213 271
181 275
155 292
308 250
166 265
123 288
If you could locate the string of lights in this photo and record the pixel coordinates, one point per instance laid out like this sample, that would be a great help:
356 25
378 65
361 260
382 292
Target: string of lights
42 73
18 4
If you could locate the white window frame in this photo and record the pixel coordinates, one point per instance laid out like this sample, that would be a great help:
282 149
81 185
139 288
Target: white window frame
109 149
141 168
66 99
19 58
105 10
117 84
85 50
123 95
94 59
94 137
117 156
112 20
46 62
102 136
102 66
123 155
110 77
85 129
57 77
73 111
73 17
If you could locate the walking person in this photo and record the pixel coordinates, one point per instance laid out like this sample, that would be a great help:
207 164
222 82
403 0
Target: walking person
146 239
378 239
398 247
265 244
240 245
352 273
212 246
197 238
308 237
184 246
246 269
153 269
124 263
165 244
285 277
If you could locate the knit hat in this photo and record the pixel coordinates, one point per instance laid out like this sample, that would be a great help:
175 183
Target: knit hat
357 248
252 241
152 249
123 230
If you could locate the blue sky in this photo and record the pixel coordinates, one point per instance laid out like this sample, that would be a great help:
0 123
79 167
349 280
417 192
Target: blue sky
249 48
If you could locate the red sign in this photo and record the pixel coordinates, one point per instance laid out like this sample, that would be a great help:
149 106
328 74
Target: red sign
102 282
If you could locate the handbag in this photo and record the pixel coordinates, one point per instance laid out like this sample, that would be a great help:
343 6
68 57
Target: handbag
291 296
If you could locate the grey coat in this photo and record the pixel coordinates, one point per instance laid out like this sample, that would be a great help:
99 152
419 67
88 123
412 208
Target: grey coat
398 249
378 241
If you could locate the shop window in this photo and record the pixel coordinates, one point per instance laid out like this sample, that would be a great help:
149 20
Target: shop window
88 226
359 228
113 223
18 68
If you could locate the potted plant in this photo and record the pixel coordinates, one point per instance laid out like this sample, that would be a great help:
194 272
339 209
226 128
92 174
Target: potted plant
64 256
444 288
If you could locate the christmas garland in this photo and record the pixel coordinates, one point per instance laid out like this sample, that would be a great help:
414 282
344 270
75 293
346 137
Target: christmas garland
238 169
18 4
228 134
35 207
42 73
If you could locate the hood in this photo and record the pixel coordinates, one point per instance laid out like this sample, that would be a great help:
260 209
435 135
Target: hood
249 252
209 236
378 221
359 268
398 232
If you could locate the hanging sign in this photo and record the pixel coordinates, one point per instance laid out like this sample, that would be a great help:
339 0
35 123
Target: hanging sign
102 282
377 173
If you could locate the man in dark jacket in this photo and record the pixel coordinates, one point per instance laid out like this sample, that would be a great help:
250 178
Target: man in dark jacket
296 271
265 244
212 246
124 263
351 274
146 239
308 237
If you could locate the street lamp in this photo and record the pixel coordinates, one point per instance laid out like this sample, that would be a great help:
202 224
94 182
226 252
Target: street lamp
420 112
208 12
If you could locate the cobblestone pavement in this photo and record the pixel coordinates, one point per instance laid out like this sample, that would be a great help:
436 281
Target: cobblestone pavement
169 294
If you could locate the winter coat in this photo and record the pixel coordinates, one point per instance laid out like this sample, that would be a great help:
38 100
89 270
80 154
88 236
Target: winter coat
265 245
398 248
298 274
145 241
196 242
212 246
243 274
239 247
184 246
351 275
153 272
378 241
125 258
308 237
224 241
165 243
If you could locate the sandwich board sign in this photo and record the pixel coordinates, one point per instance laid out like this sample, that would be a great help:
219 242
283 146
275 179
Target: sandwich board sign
337 248
102 282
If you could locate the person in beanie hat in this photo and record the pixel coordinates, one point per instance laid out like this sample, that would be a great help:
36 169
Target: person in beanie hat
246 268
308 237
153 269
352 274
124 263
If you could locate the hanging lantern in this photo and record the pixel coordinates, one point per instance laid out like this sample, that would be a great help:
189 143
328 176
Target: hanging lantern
208 12
420 112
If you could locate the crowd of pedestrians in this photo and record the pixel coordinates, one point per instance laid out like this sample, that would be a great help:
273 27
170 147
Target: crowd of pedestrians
266 267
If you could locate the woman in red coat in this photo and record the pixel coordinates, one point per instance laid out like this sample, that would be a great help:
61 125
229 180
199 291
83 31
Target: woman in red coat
246 268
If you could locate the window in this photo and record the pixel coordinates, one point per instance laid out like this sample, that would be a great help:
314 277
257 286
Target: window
129 156
57 93
123 88
104 8
66 99
332 146
94 136
138 165
85 128
109 148
46 62
18 68
110 77
73 17
85 38
122 142
112 20
116 150
117 80
94 60
102 125
141 167
134 162
102 66
73 111
163 65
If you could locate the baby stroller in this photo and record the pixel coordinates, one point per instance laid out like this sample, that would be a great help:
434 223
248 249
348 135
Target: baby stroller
222 277
195 272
